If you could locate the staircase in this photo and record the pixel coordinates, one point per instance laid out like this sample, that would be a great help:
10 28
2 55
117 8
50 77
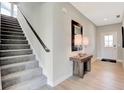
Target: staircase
19 67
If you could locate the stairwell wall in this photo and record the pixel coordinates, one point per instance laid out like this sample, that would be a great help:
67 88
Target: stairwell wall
40 17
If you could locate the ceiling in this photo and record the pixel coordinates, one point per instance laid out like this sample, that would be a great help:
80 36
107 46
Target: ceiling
101 13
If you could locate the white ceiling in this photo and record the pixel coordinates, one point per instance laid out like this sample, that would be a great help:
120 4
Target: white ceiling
101 13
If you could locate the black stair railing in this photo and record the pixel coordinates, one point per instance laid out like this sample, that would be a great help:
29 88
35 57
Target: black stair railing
41 42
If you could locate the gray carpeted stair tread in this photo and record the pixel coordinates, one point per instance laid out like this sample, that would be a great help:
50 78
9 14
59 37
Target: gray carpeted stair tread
14 50
17 74
12 68
17 64
12 33
16 59
2 58
14 46
21 76
32 84
5 53
12 37
13 41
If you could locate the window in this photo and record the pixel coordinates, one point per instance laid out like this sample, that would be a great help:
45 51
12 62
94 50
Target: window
108 41
14 10
9 9
6 8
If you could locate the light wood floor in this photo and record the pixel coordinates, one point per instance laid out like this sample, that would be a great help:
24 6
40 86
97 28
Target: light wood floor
103 76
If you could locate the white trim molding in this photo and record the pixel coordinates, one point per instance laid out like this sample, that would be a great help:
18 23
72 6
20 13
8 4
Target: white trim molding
58 81
119 60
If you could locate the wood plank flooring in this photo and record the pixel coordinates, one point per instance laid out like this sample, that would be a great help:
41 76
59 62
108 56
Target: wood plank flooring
103 76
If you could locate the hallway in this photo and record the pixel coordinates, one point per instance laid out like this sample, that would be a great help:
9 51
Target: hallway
103 76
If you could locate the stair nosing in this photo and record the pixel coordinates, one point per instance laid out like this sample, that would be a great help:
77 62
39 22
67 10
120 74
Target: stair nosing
3 15
15 44
9 20
12 75
16 56
10 26
15 50
11 65
15 39
11 35
12 31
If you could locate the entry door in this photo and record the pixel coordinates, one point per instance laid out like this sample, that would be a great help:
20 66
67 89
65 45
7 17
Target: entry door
109 45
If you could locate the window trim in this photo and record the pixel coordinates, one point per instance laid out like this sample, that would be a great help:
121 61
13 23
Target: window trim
108 42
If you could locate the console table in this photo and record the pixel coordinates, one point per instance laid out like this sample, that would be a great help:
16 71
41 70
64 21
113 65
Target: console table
81 64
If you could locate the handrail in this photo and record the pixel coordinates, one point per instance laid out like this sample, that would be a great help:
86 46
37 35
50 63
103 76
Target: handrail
41 42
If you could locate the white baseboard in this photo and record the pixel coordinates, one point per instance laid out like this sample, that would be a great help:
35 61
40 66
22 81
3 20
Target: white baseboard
58 81
119 60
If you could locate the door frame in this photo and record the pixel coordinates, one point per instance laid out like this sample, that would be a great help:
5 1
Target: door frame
102 43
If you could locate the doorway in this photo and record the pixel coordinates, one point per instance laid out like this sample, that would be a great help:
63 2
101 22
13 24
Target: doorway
109 45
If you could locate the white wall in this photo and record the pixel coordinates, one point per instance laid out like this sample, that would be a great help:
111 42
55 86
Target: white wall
114 28
63 14
40 16
53 25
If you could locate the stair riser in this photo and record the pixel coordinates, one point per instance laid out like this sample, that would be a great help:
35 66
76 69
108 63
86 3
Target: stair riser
12 81
10 33
9 26
10 29
13 37
35 85
23 67
7 47
5 23
13 42
10 18
14 53
9 21
16 60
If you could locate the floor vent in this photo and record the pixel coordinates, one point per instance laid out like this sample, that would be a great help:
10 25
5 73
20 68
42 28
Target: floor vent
108 60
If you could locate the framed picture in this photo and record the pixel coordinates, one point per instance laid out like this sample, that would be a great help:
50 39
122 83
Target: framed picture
77 33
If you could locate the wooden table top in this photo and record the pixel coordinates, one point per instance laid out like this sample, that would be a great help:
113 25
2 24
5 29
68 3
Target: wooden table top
81 58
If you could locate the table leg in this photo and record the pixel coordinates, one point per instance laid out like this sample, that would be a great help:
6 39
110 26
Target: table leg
75 68
89 65
81 69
